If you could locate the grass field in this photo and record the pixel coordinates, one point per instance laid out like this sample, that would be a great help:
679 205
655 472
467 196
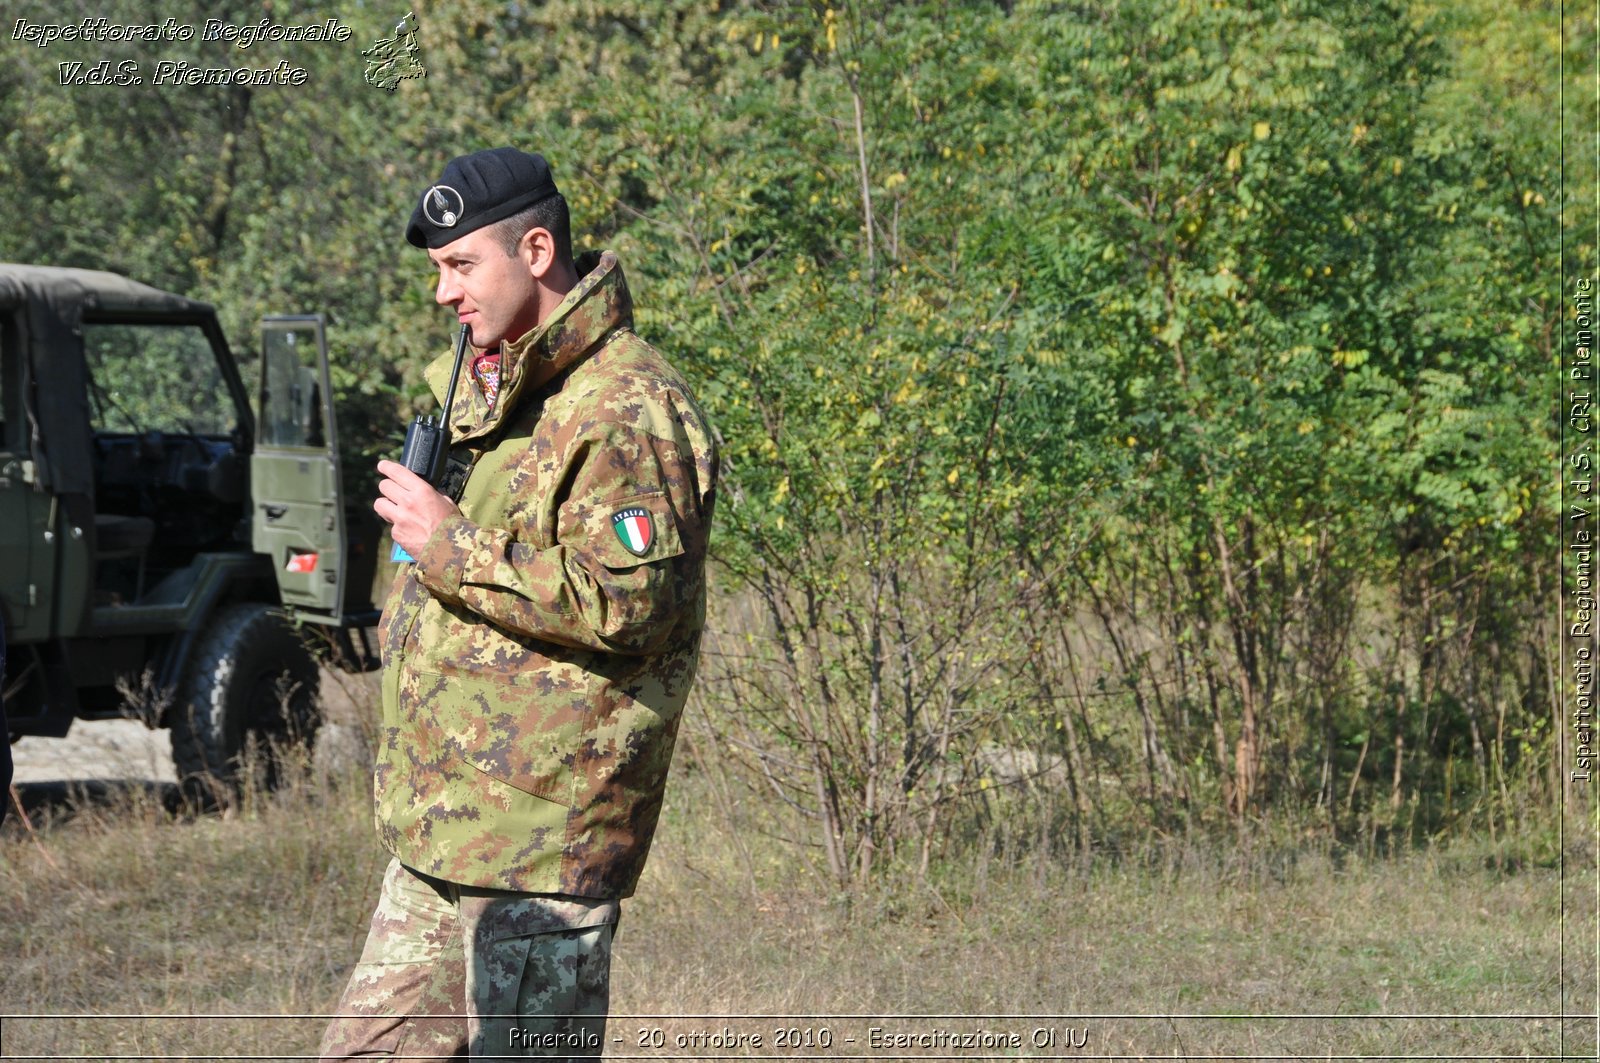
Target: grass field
221 929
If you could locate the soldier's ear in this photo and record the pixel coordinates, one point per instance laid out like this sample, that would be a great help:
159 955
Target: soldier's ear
537 249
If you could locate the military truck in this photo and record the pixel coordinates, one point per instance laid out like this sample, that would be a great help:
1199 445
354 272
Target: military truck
167 550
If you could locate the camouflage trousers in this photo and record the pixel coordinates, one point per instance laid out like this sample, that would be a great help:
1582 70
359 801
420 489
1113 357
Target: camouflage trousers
452 972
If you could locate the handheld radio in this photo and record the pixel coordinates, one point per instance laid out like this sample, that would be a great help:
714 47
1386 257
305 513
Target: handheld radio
428 440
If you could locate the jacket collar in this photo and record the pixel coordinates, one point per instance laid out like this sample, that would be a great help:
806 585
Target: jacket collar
597 306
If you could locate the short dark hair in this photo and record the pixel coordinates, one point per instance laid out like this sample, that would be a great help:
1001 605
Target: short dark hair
550 214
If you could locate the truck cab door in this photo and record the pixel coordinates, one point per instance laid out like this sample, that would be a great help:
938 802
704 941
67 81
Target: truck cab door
298 519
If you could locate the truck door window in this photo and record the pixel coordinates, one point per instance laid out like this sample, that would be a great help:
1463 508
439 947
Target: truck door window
291 414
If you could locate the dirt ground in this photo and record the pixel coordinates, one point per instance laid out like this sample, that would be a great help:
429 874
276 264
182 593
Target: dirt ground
110 750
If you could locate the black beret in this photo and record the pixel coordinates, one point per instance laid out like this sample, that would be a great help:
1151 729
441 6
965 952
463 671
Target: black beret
477 190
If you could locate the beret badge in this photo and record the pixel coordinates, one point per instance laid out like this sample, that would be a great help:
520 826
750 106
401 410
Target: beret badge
442 205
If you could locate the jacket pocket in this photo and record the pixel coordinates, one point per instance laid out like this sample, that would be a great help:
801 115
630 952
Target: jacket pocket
519 730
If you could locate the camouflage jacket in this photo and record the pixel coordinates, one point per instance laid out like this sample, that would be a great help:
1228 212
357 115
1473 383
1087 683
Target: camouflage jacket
538 653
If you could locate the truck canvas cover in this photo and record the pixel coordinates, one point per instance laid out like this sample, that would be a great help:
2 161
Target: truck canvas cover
50 303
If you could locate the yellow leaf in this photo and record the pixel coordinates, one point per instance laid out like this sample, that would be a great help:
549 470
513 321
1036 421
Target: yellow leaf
955 474
1232 162
1262 130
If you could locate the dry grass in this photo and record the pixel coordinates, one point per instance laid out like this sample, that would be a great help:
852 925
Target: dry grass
119 908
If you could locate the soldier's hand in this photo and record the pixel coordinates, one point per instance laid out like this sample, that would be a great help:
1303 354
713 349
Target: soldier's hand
410 505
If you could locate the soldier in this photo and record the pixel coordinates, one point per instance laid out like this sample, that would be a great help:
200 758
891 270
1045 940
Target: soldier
538 652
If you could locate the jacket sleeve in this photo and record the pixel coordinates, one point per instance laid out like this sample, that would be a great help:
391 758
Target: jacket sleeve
627 561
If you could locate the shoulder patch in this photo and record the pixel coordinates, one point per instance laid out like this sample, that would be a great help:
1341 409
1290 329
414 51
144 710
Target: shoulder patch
634 529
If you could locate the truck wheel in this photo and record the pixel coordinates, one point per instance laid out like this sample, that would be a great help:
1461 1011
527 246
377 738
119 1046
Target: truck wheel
251 682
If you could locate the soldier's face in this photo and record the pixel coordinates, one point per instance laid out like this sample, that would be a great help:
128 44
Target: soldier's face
495 295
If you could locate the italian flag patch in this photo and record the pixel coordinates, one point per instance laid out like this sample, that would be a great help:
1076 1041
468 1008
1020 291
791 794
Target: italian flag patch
634 529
